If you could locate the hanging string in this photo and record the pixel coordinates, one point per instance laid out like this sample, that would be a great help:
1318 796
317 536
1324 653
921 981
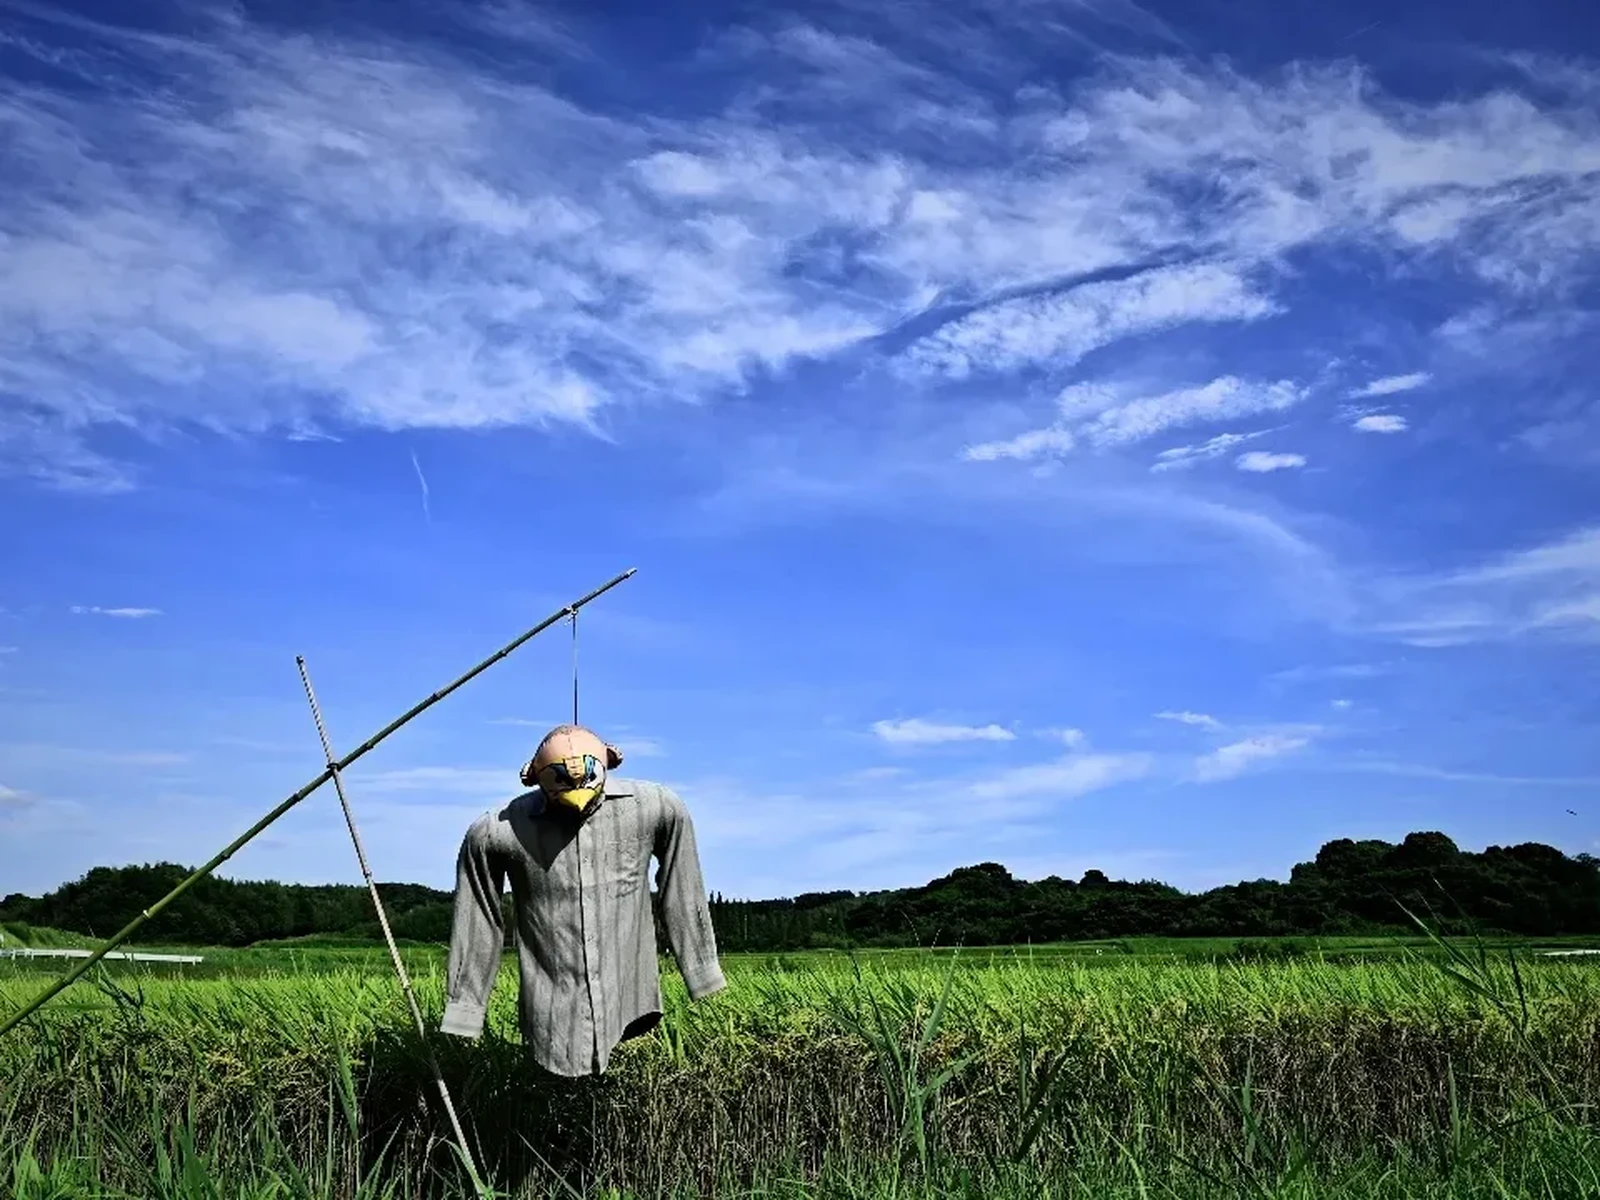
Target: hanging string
574 666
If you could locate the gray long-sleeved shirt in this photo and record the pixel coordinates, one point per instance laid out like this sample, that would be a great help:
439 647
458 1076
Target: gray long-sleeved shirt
586 944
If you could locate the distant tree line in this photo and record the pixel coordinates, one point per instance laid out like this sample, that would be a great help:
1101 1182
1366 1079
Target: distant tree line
226 912
1351 887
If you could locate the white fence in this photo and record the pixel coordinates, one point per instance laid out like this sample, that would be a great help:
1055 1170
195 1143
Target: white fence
125 955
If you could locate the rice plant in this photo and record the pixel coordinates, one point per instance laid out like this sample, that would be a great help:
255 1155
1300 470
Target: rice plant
975 1074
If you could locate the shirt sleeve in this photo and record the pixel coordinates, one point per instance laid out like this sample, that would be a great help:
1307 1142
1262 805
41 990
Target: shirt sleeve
477 932
685 910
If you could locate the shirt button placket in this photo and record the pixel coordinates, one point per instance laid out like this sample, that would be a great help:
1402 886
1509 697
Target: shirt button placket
587 900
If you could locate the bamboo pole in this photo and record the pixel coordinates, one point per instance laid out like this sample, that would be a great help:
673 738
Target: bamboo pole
388 934
16 1018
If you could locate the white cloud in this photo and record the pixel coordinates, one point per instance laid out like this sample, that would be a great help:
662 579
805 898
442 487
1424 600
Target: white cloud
11 798
51 760
1577 553
488 253
1074 776
1582 610
641 747
144 758
1183 456
126 613
917 732
1234 759
875 774
1221 399
1335 671
480 782
916 828
1198 720
1552 589
1059 329
1422 771
518 21
1067 737
1341 703
1390 384
1261 461
1107 417
1034 444
1381 423
8 649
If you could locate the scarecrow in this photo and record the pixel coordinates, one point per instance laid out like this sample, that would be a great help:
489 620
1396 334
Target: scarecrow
577 848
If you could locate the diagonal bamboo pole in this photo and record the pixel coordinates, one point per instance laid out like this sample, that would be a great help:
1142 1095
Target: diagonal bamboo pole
27 1010
388 934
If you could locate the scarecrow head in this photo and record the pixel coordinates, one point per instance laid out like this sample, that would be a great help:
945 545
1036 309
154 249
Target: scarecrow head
570 766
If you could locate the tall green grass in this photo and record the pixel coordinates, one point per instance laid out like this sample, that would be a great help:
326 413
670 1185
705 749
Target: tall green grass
21 935
894 1076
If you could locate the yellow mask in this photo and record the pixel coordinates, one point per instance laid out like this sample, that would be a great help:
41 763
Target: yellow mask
570 767
574 782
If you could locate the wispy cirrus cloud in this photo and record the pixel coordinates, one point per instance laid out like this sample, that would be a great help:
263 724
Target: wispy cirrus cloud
131 614
146 758
1036 443
641 747
1104 416
935 824
1260 462
520 22
1445 775
1356 670
1198 720
875 774
1381 423
914 731
502 255
1073 776
1182 456
1234 759
478 784
1551 590
1066 736
1142 417
1061 328
24 755
1390 384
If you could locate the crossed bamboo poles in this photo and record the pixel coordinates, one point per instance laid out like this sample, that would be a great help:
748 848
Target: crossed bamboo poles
333 771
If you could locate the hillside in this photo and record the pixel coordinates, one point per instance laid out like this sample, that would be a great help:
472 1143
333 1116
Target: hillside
18 935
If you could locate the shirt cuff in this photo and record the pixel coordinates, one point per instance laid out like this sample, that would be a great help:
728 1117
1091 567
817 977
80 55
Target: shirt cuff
704 981
462 1019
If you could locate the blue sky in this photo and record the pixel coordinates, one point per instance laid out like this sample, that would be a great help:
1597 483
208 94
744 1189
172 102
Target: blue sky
1072 434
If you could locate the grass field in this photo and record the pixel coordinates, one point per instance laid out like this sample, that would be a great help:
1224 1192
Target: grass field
1354 1068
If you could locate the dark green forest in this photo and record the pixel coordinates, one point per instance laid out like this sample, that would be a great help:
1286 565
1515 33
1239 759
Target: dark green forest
1350 887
